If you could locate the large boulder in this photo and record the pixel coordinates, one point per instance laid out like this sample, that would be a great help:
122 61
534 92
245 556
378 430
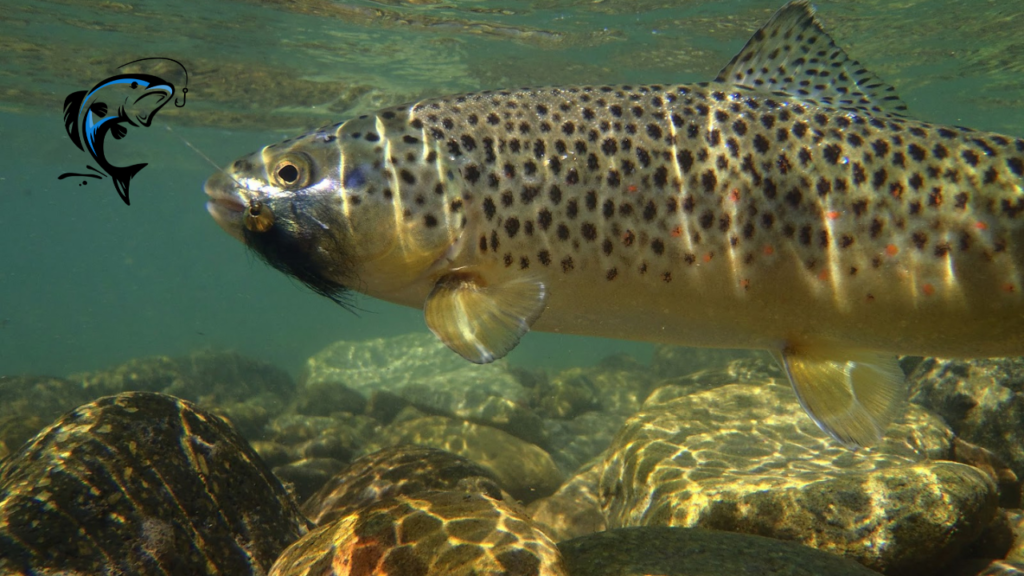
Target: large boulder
668 551
522 469
982 400
399 470
746 458
142 483
427 534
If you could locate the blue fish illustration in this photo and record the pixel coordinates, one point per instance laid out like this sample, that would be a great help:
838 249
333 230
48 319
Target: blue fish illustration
112 105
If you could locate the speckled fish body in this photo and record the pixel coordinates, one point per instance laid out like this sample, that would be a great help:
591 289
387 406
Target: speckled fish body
789 205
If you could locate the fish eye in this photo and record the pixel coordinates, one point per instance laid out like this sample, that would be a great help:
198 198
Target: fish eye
292 171
258 218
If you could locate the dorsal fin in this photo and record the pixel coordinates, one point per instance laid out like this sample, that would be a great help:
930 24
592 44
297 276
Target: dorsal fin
794 55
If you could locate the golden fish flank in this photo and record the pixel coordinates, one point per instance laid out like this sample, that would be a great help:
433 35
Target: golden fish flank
788 205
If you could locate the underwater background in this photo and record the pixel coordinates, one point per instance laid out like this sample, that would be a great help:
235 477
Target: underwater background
86 282
169 404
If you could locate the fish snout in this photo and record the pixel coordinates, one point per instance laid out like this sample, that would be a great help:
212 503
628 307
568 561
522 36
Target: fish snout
225 204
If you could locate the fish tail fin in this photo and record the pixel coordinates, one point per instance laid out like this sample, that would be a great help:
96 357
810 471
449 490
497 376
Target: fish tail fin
72 104
122 177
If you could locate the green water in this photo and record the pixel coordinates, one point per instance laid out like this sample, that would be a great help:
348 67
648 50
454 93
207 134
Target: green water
86 282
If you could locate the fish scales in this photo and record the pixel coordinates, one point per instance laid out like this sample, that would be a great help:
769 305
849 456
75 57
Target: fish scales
788 205
686 189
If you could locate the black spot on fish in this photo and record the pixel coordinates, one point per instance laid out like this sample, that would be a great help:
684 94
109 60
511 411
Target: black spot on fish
916 181
824 186
684 158
971 157
761 144
1016 165
511 226
544 219
709 181
661 177
572 209
608 209
555 194
832 153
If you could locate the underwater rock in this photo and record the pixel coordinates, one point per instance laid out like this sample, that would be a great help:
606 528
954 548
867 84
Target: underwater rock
400 470
523 470
671 551
213 378
421 370
574 442
304 477
616 385
746 458
574 510
981 399
337 436
30 403
142 483
248 418
1008 484
429 534
1015 518
325 398
674 361
272 453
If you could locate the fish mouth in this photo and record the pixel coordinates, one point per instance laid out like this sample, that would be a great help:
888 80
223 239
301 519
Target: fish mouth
225 208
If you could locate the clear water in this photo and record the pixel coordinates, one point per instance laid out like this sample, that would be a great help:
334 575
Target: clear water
86 282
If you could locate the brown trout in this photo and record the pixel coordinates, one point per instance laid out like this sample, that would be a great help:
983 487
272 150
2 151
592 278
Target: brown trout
788 205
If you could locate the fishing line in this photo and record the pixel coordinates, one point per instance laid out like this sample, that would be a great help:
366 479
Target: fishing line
204 156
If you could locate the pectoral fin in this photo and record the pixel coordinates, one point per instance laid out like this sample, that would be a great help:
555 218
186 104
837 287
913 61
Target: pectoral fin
851 395
483 322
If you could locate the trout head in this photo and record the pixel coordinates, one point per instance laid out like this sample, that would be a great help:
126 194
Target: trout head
333 210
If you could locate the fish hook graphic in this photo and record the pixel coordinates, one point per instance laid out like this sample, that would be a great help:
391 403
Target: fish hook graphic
184 91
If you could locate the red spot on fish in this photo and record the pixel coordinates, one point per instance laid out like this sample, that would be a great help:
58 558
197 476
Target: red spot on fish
981 225
734 195
928 289
892 250
832 215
